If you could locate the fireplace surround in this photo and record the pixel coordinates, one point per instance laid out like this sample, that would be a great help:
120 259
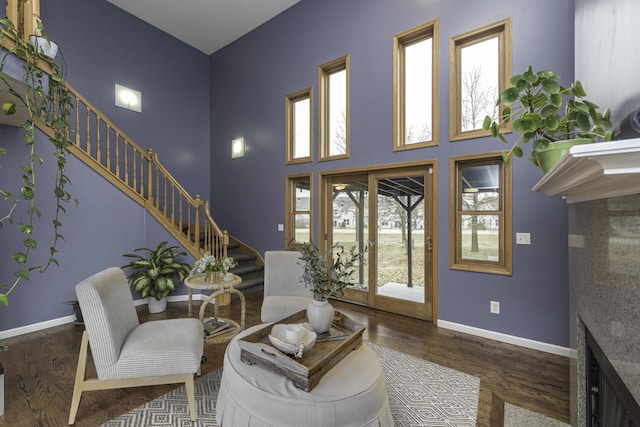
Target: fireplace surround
604 276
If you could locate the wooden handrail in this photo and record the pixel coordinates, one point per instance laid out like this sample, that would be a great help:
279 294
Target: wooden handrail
106 149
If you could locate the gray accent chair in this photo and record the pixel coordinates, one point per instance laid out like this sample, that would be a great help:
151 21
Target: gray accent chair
284 291
127 353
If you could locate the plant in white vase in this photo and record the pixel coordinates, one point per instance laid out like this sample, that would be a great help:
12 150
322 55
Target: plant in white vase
327 273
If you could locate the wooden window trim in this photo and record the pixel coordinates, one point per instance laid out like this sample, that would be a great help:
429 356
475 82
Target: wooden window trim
324 71
290 101
501 29
290 212
427 30
505 265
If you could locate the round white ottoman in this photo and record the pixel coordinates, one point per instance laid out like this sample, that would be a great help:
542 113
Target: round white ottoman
352 393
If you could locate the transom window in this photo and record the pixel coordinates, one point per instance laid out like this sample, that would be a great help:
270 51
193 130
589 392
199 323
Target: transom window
298 127
333 109
481 66
415 88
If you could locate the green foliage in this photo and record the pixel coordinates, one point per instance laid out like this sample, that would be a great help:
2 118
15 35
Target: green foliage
154 274
327 278
48 103
543 111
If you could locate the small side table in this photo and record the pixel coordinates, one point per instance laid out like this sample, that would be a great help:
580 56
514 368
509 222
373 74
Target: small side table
220 288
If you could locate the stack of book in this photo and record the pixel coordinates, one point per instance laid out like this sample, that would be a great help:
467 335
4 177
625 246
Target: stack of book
215 326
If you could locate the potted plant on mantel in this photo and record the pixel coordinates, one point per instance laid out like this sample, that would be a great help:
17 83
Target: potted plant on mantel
154 276
326 278
553 117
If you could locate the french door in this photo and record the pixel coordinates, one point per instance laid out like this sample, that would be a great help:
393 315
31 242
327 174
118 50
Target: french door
390 212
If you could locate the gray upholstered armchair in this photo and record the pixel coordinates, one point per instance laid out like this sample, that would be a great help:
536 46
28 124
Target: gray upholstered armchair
127 353
284 291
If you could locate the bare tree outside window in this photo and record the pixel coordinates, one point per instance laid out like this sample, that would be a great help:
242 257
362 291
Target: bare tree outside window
338 113
480 80
480 70
418 92
478 100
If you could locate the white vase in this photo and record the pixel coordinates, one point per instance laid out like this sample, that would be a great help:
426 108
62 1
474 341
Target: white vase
320 315
156 306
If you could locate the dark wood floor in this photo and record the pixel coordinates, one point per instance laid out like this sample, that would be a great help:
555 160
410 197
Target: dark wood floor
40 368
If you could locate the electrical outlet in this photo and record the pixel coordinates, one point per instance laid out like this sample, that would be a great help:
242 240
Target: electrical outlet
523 238
280 227
494 307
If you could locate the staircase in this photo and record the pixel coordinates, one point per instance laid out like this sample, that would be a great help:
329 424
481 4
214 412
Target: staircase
250 267
138 173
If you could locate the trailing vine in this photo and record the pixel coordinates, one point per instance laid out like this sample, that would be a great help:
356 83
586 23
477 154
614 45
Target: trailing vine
48 103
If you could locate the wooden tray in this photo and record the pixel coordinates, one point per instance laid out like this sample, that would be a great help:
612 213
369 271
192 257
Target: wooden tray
307 371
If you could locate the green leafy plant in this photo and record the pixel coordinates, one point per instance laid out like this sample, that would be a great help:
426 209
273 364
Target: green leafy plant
47 101
543 111
155 274
326 278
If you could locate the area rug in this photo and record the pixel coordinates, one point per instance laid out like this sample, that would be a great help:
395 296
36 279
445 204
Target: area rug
421 393
515 416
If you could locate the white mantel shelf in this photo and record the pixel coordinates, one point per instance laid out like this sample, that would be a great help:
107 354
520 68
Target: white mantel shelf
595 171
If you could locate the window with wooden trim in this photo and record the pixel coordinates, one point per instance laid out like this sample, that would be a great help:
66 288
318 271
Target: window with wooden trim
25 15
415 89
480 70
298 210
480 214
333 109
298 126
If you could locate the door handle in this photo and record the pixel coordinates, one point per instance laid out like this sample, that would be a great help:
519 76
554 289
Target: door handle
429 243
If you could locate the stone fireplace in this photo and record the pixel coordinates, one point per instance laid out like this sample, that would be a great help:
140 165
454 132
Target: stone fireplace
601 184
604 275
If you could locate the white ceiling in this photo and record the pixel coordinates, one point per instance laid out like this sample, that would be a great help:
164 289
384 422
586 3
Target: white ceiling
207 25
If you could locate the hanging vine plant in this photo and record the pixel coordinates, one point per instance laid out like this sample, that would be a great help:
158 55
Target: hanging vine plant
47 102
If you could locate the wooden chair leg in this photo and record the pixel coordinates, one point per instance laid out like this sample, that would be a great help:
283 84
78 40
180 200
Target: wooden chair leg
80 375
191 396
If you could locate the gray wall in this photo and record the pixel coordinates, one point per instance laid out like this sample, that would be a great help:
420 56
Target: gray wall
607 59
103 45
250 78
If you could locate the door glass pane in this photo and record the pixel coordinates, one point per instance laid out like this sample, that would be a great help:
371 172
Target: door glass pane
400 245
350 223
480 237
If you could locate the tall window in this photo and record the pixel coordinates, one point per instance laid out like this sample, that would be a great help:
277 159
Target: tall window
481 68
415 115
480 214
298 210
298 127
333 109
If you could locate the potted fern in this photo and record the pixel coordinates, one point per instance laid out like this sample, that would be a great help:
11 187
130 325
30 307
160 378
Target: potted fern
553 117
155 275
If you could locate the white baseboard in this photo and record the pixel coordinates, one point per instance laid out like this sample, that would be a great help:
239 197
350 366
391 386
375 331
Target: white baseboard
37 326
71 318
509 339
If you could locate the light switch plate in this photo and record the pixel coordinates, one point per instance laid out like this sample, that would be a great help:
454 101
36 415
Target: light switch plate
280 227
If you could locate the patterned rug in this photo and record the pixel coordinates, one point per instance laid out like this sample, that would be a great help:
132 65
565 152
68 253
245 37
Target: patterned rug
421 393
